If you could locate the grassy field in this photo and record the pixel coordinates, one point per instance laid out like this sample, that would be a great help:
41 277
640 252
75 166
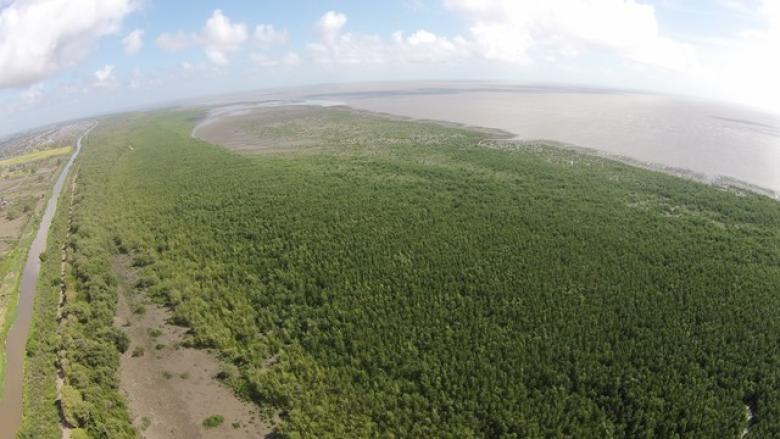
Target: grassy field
36 155
409 283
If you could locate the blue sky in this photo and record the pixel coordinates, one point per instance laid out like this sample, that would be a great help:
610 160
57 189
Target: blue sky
64 59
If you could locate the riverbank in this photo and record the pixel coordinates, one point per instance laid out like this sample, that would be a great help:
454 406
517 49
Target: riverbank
26 182
16 339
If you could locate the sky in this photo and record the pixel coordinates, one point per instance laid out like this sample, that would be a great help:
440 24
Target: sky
65 59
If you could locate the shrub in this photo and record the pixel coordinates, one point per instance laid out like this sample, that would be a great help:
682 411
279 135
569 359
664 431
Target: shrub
72 405
213 421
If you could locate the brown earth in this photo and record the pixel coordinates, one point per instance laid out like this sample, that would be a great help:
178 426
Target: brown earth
172 389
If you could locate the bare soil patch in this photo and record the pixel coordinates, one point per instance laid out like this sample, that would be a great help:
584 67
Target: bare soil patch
172 389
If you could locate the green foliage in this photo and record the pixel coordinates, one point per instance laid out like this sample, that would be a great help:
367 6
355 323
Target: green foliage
41 418
213 421
73 406
443 290
87 345
119 338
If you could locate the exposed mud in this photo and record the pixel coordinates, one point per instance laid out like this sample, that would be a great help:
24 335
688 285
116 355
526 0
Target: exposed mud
172 389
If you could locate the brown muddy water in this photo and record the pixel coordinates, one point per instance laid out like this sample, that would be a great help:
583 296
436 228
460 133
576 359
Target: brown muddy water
708 138
11 404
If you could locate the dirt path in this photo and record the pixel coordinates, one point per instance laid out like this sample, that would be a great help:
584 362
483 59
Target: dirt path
171 389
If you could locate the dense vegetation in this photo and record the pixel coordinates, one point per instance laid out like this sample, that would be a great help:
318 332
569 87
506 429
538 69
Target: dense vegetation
445 290
82 343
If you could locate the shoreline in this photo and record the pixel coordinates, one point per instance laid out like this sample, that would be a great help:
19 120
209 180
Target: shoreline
720 181
502 137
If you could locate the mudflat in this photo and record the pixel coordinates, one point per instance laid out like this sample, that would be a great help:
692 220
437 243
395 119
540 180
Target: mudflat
171 389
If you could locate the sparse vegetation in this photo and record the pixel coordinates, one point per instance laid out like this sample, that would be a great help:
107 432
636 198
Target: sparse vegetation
20 207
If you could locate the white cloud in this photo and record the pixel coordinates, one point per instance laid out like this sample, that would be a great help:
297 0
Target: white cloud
133 42
510 30
338 47
38 38
329 27
175 42
104 77
289 59
425 47
221 37
770 9
745 68
738 6
33 93
266 36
